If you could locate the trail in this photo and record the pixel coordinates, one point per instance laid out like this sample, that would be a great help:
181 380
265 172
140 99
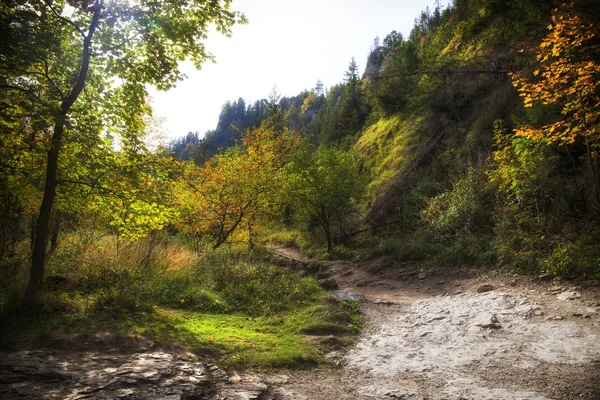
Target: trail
429 334
459 334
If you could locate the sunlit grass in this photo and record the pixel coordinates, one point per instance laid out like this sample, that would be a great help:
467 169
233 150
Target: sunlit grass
386 146
260 342
233 339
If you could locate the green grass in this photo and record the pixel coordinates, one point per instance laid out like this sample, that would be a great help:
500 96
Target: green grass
232 306
233 339
386 146
243 341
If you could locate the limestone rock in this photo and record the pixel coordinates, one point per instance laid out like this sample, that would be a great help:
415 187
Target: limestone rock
568 295
347 296
285 394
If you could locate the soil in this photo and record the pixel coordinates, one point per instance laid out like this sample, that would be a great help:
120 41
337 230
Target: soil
459 334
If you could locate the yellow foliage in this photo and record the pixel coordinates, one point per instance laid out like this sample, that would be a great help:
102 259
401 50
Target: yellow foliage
235 188
569 76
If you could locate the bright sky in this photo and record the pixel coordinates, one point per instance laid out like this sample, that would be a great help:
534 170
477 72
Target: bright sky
286 43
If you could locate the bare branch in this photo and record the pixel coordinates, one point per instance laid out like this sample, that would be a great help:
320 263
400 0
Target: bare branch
92 185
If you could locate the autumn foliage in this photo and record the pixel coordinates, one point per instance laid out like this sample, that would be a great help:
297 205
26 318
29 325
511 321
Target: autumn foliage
568 75
236 188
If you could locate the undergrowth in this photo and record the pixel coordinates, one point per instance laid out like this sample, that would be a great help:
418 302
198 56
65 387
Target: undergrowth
232 300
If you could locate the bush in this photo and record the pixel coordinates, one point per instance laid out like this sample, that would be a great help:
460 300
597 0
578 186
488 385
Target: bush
578 259
461 210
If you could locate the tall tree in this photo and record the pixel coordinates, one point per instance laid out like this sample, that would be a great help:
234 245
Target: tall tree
319 87
86 43
353 107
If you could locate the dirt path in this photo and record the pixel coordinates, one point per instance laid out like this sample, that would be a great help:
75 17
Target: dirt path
429 334
459 335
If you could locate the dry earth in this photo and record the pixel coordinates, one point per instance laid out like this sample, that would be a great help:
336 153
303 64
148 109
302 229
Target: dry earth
429 334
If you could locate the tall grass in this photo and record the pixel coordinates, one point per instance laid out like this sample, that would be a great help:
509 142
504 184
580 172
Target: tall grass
112 277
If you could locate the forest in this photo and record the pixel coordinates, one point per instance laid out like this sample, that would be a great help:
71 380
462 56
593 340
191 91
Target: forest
472 142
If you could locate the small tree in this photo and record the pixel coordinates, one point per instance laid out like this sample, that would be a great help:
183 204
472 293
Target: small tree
235 188
327 184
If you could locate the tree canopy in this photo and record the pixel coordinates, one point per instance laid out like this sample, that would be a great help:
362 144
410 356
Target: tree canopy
86 75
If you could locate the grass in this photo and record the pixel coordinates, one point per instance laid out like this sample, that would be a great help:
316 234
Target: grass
232 306
386 146
233 339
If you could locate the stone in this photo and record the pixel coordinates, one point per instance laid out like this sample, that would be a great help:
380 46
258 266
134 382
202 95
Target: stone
285 394
347 296
312 267
346 273
487 321
569 295
387 393
362 283
235 378
323 275
105 375
328 284
485 288
277 379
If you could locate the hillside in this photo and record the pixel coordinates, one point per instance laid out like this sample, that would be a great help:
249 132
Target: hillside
433 122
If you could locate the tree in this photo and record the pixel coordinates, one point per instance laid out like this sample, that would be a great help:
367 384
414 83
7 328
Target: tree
568 76
87 47
319 87
327 183
352 111
235 188
391 40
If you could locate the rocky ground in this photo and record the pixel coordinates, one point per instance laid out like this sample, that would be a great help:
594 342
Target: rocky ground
429 334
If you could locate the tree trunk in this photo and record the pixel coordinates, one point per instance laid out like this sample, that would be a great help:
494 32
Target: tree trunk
38 256
42 227
328 237
54 233
325 223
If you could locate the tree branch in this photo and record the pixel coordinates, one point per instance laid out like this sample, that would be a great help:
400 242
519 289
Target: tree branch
63 19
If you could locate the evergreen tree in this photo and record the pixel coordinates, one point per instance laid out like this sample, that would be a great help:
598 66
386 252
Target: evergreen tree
352 113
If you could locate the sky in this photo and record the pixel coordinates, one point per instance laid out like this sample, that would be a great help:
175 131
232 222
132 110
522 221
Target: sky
288 44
